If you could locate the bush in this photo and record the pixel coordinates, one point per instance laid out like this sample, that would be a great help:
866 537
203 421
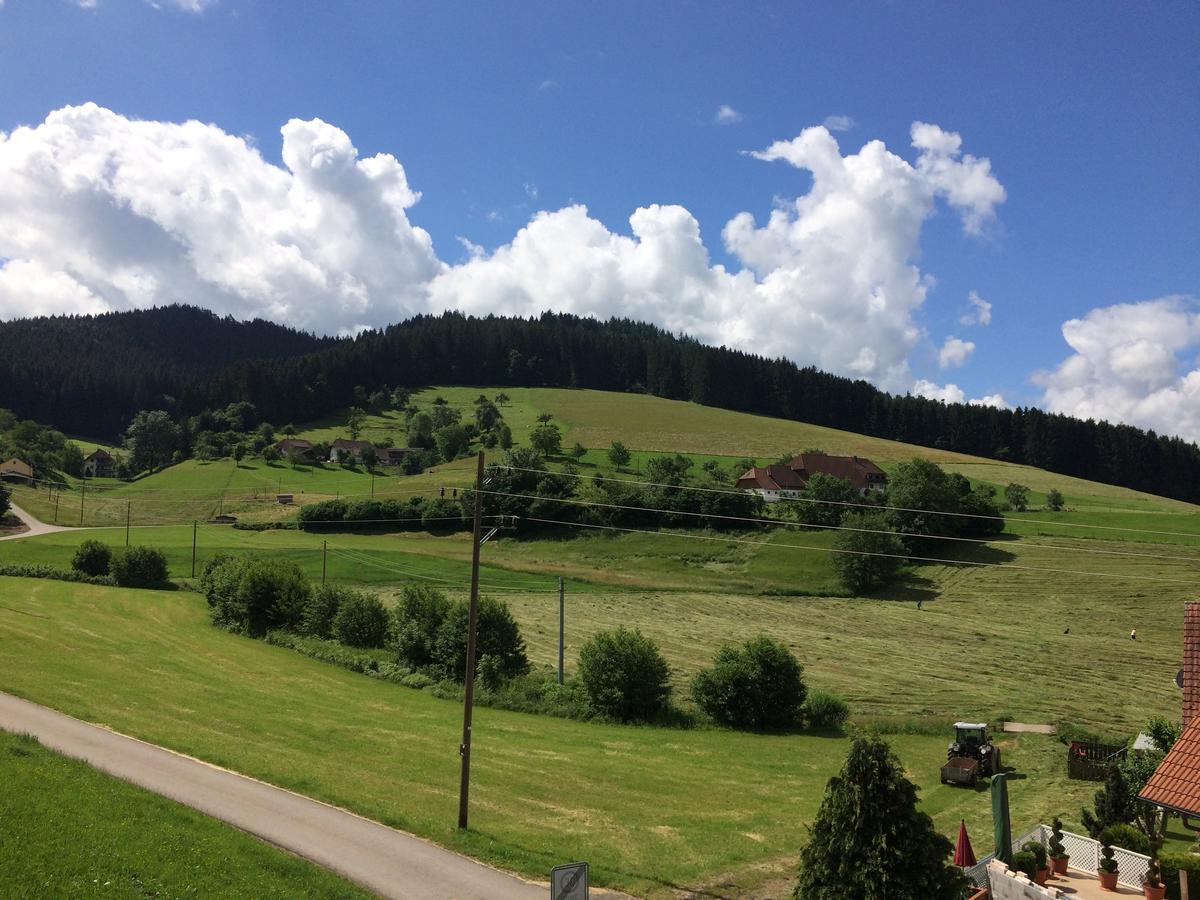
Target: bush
1024 862
1039 852
361 620
625 675
825 710
254 594
320 610
497 635
1107 861
869 557
41 571
757 685
139 567
418 616
1126 836
1058 849
92 558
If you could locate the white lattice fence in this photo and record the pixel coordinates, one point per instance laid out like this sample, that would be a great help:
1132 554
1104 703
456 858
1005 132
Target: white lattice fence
978 872
1084 852
1132 866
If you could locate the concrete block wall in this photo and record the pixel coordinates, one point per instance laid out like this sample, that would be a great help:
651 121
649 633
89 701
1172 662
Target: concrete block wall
1008 885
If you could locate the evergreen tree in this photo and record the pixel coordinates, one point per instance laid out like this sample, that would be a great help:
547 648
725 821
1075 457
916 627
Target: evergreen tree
870 842
1113 804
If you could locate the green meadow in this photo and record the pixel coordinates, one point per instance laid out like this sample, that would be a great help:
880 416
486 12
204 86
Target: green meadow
655 811
72 831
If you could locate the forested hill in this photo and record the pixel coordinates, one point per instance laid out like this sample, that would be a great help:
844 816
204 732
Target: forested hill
90 374
95 391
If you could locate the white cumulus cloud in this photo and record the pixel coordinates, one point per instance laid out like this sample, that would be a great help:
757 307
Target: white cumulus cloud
727 115
110 212
838 123
994 400
1134 363
955 352
950 393
980 313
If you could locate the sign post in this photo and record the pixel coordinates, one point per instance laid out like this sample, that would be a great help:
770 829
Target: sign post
569 882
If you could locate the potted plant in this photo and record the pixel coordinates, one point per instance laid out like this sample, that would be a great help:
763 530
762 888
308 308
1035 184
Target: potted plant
1058 852
1152 886
1026 863
1041 872
1108 868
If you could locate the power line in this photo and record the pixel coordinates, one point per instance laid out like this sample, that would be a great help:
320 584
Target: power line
1001 518
785 524
359 557
928 559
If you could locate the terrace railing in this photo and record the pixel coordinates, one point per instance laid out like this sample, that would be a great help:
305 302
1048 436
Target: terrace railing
1084 853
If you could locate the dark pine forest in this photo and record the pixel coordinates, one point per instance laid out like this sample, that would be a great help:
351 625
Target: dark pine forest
90 375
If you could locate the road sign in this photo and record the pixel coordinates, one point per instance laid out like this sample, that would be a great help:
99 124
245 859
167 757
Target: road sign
569 882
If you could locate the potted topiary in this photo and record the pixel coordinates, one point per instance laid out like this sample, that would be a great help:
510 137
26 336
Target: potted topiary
1058 852
1108 868
1041 872
1152 886
1026 863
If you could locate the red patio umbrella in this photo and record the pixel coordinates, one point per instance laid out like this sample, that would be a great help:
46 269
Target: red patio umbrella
964 856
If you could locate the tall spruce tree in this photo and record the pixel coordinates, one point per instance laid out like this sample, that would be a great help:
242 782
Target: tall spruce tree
869 841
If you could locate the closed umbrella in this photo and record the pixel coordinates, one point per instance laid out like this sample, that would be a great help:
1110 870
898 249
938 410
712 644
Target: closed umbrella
1000 820
964 856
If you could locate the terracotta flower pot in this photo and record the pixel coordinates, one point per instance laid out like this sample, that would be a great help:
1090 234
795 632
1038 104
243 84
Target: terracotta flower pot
1154 893
1060 864
1108 880
1041 876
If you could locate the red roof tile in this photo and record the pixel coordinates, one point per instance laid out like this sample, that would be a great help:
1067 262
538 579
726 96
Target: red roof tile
858 471
1191 662
1175 784
770 478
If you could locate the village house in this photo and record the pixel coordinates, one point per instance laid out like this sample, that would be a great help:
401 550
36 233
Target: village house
394 456
99 464
784 482
14 469
344 447
1175 784
299 446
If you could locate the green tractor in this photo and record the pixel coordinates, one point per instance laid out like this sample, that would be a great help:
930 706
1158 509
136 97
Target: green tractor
971 756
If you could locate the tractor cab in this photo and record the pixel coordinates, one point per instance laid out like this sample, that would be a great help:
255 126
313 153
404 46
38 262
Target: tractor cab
972 741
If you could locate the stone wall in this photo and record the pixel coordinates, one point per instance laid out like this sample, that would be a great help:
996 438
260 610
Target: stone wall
1008 885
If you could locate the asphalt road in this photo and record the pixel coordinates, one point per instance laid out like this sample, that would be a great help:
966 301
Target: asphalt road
35 527
381 859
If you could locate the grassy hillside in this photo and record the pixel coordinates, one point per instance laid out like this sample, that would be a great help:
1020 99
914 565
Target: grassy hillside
988 642
692 809
72 831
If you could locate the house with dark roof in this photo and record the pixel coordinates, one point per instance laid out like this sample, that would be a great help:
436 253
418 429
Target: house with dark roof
14 469
1175 784
299 446
860 472
394 456
99 464
343 447
772 483
785 482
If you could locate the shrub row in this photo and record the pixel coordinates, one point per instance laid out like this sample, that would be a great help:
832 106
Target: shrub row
414 514
14 570
139 567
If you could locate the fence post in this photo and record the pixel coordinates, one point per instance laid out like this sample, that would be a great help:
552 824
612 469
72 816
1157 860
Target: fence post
194 527
561 617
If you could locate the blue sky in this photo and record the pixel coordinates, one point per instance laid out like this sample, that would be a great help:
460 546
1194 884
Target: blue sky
1089 114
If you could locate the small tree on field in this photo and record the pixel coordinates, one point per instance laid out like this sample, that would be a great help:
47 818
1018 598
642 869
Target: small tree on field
504 433
1054 499
826 499
869 841
759 685
619 455
625 675
92 558
354 421
578 450
1017 496
361 620
369 457
869 557
270 454
239 453
546 439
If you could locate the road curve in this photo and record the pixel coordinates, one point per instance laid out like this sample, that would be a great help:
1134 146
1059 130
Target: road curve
35 527
388 862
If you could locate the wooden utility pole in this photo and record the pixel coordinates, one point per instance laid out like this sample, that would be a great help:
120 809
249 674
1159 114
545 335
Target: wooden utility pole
126 523
194 527
561 626
82 494
324 558
464 748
